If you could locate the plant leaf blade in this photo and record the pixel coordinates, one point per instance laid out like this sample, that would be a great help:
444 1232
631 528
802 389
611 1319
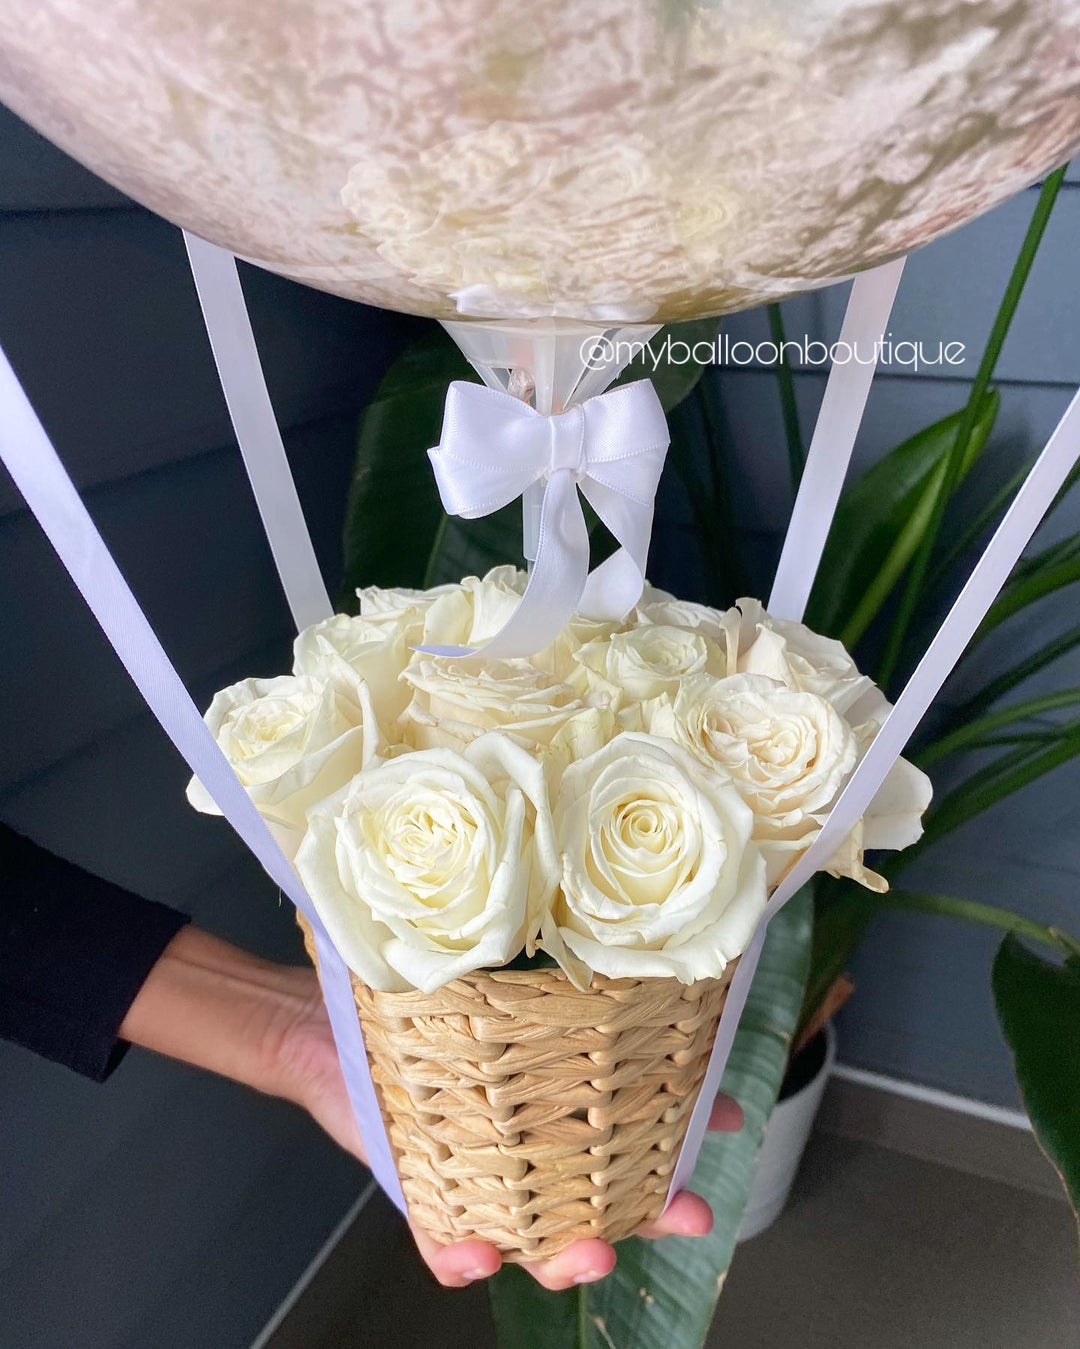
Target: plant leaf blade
393 511
1038 1005
873 537
682 1276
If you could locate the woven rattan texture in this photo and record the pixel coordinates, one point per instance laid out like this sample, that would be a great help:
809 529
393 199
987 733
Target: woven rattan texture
530 1114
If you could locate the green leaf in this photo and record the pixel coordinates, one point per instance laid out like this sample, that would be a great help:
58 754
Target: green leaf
1039 577
662 1293
973 731
1016 674
785 387
915 584
1038 1005
842 913
393 513
966 535
879 522
1008 774
473 547
990 915
1059 552
695 440
672 380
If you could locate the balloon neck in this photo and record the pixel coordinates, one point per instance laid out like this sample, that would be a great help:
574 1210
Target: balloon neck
550 363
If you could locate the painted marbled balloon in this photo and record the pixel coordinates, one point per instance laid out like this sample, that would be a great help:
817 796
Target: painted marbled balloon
607 160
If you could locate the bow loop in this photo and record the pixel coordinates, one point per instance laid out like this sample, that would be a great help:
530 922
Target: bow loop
611 447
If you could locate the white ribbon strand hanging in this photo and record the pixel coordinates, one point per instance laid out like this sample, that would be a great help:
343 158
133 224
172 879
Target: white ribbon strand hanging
611 448
236 356
835 431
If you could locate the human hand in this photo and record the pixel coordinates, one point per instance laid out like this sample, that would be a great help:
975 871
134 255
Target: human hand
307 1065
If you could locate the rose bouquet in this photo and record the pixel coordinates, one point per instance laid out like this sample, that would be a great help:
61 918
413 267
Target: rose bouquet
541 871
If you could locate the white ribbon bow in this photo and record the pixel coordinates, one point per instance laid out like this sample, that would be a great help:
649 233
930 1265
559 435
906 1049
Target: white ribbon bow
611 447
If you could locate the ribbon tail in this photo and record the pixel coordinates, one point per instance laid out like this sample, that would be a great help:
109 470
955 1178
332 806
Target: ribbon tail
614 587
556 581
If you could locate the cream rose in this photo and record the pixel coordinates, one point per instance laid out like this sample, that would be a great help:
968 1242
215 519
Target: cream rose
788 753
892 821
449 615
802 659
559 660
791 652
454 701
657 606
647 661
494 598
429 866
291 741
441 616
660 876
498 593
343 645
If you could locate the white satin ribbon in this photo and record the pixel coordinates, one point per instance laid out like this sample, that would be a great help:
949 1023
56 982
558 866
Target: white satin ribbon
611 448
236 356
835 431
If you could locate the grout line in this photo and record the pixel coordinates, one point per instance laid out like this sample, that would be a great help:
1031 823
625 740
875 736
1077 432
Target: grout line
945 1100
315 1264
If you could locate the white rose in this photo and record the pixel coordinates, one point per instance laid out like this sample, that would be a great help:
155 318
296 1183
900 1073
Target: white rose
558 658
647 661
657 606
434 864
291 741
803 659
494 598
378 601
660 876
454 701
343 644
893 819
791 652
441 616
788 752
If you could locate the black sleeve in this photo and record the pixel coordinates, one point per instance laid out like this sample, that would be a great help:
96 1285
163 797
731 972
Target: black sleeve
74 951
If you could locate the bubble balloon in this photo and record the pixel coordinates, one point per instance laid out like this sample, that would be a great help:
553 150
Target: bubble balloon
614 161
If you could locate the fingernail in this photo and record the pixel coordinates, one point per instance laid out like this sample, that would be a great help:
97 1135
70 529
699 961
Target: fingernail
589 1276
472 1274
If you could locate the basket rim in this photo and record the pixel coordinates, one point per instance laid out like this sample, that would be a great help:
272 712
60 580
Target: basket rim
599 983
469 984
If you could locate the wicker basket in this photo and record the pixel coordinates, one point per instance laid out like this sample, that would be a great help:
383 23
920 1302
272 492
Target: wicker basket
530 1114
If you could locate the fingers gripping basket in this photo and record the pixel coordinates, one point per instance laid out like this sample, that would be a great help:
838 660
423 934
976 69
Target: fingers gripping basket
530 1114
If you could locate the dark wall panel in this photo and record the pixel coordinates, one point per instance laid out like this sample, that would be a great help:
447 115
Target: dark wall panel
165 1208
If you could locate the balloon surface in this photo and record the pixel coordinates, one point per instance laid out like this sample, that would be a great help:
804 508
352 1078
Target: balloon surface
606 160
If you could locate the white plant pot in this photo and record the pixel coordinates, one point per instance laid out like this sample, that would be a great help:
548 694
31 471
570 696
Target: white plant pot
786 1136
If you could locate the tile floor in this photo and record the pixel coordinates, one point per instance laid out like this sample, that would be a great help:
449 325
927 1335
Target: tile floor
885 1251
